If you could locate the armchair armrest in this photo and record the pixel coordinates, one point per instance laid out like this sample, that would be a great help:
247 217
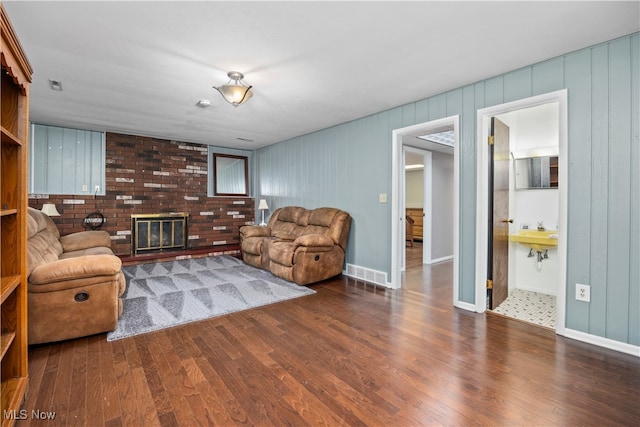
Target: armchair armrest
85 240
254 231
75 268
314 240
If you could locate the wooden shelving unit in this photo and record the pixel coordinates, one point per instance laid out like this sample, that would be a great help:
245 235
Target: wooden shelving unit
14 130
417 215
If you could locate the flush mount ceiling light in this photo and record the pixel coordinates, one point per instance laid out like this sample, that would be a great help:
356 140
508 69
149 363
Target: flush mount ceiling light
235 92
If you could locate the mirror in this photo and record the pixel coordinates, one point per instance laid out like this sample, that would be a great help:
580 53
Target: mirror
536 172
231 175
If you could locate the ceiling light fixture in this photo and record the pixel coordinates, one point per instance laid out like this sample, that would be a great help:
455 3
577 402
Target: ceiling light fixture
234 92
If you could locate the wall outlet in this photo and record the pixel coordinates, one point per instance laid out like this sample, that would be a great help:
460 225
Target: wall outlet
85 187
583 292
96 189
382 198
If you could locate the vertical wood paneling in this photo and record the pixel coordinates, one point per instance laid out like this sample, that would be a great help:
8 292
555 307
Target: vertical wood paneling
578 77
600 164
634 252
422 111
438 107
494 91
603 224
471 95
38 163
69 161
409 115
64 160
619 191
547 76
517 84
81 166
454 102
54 176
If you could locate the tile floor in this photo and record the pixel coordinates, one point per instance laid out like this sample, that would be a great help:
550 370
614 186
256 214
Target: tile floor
532 307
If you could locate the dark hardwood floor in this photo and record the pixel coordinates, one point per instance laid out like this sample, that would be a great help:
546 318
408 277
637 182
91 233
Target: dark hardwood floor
352 354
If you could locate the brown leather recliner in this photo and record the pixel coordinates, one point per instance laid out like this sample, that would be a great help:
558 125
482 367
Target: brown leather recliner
300 245
75 282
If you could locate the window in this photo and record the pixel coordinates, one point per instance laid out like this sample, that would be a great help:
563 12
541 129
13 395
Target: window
231 175
229 172
66 161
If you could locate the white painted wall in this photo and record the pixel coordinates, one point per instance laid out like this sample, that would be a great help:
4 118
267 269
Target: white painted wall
414 189
442 205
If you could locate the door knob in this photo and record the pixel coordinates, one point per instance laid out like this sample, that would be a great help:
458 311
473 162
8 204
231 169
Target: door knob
510 221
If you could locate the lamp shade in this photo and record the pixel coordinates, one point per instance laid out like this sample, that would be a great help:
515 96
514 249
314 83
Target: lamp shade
50 209
235 94
263 205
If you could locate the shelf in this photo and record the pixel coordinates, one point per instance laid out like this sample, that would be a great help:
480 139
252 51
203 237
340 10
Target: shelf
9 284
6 339
13 390
15 81
9 138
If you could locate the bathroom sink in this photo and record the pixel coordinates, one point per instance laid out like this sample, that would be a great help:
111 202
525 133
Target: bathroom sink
536 240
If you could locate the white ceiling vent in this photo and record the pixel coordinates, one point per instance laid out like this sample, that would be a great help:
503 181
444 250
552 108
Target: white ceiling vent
55 85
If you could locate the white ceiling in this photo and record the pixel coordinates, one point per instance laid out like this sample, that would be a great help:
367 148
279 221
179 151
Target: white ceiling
141 67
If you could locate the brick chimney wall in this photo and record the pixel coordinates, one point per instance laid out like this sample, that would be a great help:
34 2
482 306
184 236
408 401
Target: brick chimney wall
148 176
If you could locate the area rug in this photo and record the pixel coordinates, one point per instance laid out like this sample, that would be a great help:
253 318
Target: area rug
166 294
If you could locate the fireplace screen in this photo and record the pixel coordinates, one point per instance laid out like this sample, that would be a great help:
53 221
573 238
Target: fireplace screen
158 232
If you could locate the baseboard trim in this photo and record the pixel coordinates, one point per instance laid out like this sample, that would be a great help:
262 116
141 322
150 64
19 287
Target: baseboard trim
465 306
445 258
622 347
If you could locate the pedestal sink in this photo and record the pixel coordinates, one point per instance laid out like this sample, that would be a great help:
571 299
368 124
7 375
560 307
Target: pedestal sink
538 240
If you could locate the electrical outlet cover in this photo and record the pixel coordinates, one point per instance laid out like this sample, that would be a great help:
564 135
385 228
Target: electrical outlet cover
583 292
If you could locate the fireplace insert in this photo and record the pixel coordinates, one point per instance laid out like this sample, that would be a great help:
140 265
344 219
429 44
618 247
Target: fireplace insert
158 232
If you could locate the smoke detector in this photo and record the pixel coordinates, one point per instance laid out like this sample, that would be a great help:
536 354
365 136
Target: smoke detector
204 103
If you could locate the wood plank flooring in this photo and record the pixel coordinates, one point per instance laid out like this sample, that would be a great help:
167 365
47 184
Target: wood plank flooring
352 354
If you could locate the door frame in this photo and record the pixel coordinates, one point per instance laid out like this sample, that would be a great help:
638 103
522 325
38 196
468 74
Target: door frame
397 198
483 127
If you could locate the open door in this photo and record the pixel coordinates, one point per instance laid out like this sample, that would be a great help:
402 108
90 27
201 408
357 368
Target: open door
498 250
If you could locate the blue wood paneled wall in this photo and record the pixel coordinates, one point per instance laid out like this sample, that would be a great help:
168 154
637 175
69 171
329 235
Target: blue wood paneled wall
347 166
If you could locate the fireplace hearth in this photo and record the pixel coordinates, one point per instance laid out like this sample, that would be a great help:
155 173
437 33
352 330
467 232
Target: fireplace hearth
158 232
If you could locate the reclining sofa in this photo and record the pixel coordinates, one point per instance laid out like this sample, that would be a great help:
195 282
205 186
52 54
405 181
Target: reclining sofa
75 282
299 245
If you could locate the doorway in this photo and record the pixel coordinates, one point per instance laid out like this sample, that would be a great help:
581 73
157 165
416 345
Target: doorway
417 205
409 138
528 212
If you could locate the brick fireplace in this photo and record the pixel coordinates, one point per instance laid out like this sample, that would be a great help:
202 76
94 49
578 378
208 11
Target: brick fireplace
147 176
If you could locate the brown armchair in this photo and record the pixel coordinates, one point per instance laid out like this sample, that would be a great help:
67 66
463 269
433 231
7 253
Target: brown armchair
299 245
75 282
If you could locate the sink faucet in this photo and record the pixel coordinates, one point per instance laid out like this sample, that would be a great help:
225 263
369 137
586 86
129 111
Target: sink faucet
540 226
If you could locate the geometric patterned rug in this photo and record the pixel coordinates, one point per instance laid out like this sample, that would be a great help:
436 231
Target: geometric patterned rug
166 294
532 307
